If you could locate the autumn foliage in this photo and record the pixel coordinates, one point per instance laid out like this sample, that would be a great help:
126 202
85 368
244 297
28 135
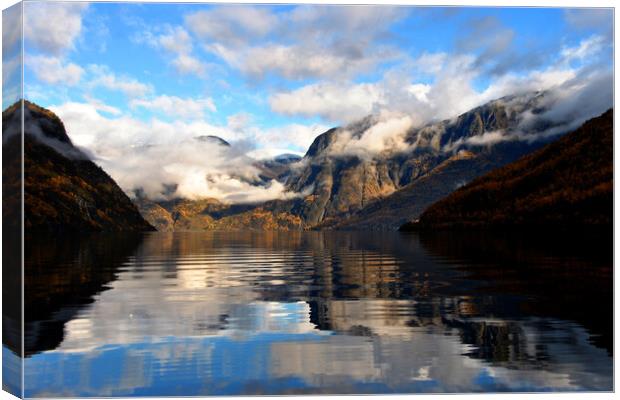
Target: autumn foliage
567 183
63 189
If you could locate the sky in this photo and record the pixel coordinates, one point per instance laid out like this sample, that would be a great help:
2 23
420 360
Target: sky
270 78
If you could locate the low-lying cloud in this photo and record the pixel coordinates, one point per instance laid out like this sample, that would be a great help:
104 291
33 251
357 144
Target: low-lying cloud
386 133
156 155
567 100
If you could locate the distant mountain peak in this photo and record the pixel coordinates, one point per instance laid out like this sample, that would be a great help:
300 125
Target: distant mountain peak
287 158
212 139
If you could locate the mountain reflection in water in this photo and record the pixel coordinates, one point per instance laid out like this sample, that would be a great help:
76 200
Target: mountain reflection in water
316 312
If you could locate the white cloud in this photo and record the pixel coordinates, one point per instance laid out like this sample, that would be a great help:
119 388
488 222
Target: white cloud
176 40
397 106
176 106
239 121
103 77
420 91
232 25
386 133
52 70
187 64
151 154
101 106
586 48
333 102
451 91
292 62
346 101
601 19
326 42
53 27
367 20
534 81
292 136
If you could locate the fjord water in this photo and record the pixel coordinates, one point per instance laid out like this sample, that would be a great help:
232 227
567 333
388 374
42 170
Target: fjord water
213 313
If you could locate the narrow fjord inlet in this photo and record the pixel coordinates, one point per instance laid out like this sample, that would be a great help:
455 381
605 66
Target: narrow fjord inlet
306 199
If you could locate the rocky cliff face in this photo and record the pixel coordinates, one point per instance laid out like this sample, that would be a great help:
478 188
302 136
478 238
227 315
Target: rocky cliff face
349 191
63 189
566 183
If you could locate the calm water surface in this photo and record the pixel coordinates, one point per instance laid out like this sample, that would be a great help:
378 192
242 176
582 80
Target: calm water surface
275 313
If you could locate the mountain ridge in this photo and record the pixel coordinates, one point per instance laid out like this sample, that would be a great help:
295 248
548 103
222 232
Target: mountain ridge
569 182
385 189
63 189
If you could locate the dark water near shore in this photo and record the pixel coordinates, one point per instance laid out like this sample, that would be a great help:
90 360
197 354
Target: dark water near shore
278 313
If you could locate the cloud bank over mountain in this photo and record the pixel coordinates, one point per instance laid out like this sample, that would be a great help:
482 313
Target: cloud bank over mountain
156 155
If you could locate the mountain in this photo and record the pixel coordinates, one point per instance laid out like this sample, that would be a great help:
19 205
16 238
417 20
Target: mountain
212 139
63 189
350 179
211 214
278 167
349 191
567 183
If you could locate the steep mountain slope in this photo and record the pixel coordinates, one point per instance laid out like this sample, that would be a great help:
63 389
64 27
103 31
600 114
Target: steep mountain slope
350 191
409 201
567 183
63 189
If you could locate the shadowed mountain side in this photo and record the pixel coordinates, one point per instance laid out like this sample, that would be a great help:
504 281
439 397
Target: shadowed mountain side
278 168
63 189
12 293
409 202
567 183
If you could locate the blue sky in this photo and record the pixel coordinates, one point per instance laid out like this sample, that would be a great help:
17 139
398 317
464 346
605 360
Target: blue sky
271 78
